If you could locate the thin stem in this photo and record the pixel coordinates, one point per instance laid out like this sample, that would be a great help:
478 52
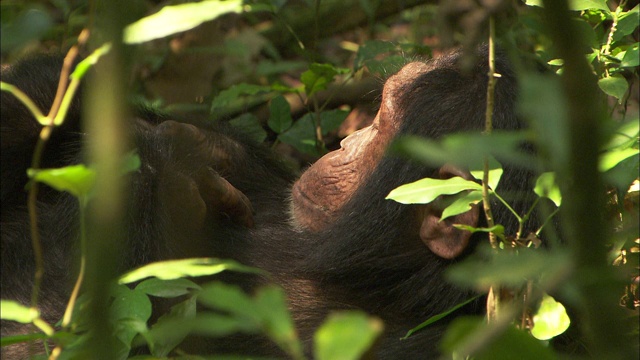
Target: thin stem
66 320
546 221
25 100
487 130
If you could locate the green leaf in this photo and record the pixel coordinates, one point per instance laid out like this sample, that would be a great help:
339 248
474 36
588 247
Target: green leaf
167 288
370 50
346 336
510 344
626 135
546 187
319 76
170 329
280 114
551 319
231 299
226 97
612 158
131 163
631 56
175 269
437 317
271 304
505 268
549 122
302 135
27 26
462 204
627 23
250 125
130 311
14 311
426 190
129 304
497 229
332 119
10 340
579 5
267 67
495 172
75 179
86 64
177 18
615 85
267 312
466 149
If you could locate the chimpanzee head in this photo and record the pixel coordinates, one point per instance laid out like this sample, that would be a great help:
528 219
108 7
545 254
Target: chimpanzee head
426 99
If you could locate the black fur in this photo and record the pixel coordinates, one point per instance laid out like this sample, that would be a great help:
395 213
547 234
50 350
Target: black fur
368 259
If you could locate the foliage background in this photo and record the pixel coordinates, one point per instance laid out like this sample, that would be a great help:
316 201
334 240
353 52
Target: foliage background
240 67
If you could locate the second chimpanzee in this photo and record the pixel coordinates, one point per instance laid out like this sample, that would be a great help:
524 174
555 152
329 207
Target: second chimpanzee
181 202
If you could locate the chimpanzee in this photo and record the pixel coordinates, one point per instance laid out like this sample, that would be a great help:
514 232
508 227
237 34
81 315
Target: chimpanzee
181 200
362 251
338 244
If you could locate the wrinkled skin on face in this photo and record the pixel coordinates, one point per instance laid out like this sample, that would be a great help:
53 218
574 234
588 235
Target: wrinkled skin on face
329 183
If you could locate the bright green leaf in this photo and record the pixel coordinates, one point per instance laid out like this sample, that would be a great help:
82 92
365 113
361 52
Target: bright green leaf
546 187
75 179
510 343
175 269
346 336
615 85
579 5
426 190
173 19
14 311
86 64
280 114
495 172
167 288
612 158
462 204
551 319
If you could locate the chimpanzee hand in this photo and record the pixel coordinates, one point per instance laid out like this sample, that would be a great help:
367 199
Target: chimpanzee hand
191 187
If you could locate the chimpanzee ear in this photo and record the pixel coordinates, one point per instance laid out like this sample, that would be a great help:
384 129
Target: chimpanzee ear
442 238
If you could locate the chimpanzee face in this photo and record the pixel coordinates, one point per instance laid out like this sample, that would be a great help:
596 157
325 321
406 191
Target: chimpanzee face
329 183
